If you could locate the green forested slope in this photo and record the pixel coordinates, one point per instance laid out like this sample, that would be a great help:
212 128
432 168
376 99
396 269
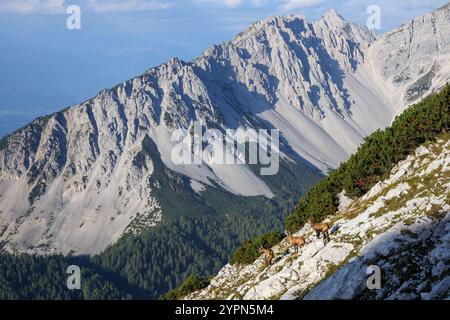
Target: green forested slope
31 277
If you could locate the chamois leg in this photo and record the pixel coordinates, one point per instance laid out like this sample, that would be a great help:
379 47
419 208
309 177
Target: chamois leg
318 234
327 235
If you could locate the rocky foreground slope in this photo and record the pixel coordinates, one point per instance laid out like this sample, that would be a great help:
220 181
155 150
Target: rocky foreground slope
401 225
78 180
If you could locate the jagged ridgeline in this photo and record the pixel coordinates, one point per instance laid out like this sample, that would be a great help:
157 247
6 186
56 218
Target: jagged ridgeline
372 163
109 155
325 85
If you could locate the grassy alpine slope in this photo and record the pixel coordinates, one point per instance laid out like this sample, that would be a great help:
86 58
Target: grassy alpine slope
401 225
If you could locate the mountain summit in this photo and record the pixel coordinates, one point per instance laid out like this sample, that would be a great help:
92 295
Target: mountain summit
79 179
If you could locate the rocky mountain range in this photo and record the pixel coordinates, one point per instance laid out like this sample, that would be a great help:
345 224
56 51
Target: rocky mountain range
79 179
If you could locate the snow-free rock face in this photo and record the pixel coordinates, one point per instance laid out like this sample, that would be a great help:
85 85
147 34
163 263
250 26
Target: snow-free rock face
402 225
414 58
79 179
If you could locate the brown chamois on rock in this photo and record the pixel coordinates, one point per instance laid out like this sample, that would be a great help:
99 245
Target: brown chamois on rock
297 242
320 228
268 255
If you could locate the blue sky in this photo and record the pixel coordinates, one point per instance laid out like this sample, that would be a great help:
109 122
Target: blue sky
45 67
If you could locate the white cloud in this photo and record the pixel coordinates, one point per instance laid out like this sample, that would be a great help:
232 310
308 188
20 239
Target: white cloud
32 6
128 5
298 4
235 3
59 6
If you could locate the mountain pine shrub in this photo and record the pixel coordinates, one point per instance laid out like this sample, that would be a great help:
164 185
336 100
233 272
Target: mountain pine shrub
375 158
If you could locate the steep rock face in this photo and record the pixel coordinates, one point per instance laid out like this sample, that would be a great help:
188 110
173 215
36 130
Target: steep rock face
291 74
79 179
402 225
79 186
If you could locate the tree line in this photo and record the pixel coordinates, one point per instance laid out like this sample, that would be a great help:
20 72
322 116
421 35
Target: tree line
189 249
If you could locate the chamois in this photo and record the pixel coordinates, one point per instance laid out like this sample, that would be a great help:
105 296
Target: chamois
297 242
268 255
320 228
